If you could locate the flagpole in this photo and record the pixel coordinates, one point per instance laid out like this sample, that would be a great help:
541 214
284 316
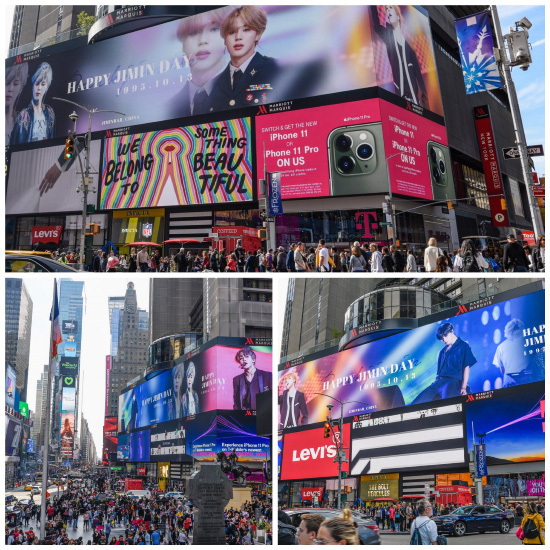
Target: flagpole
46 435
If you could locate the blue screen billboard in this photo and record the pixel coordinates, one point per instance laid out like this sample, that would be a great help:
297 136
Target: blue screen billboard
140 446
123 447
497 346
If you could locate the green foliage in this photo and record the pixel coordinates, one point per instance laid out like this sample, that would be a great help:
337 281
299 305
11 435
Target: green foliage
335 333
85 23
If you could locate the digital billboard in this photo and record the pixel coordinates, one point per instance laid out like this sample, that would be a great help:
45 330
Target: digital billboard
307 454
69 327
511 422
13 436
67 419
203 164
182 67
496 346
110 439
123 447
39 183
210 433
68 366
11 377
168 441
212 379
341 149
30 446
140 446
414 438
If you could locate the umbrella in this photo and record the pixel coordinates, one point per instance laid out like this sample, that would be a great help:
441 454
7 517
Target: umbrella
187 241
139 243
383 500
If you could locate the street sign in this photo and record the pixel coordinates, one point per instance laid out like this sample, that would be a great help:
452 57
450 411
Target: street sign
386 224
513 152
269 219
539 192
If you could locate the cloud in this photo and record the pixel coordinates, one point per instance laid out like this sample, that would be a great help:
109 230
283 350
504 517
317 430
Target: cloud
532 95
538 43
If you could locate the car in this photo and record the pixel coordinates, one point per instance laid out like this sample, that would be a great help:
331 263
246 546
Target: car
366 528
36 490
474 519
14 515
10 499
26 263
175 495
28 487
25 502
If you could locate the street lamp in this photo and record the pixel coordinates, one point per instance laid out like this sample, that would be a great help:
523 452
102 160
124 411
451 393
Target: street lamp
86 172
341 453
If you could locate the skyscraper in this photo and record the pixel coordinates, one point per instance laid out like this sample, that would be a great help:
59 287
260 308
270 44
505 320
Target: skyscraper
40 408
130 352
18 318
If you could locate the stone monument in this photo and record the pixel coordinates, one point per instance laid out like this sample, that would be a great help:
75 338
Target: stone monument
210 491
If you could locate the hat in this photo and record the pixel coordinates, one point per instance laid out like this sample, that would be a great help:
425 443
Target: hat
356 243
300 243
281 248
511 236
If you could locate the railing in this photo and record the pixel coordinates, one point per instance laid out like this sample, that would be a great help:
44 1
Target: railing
44 42
319 347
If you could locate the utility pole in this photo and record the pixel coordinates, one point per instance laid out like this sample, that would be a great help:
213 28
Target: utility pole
86 173
521 142
389 201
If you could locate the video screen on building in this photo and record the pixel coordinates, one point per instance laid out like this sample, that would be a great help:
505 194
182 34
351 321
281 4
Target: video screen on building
307 454
155 74
209 434
140 446
68 366
67 418
421 437
110 438
11 377
204 164
496 346
510 421
214 378
168 441
39 182
13 436
123 447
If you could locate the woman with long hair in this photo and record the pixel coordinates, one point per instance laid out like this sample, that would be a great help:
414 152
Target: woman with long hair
469 259
539 259
533 525
339 530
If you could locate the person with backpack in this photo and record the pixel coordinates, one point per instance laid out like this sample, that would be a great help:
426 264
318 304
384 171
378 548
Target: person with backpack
514 257
532 526
423 528
398 259
468 260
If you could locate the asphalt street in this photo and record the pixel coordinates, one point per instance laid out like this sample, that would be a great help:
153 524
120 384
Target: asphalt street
484 539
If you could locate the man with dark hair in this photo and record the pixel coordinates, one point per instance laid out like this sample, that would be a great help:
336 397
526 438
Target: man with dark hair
181 261
308 528
453 367
253 381
514 258
398 259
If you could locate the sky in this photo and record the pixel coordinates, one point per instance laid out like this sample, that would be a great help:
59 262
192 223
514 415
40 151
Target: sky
95 338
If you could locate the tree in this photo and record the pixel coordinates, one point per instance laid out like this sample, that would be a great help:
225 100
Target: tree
335 333
85 23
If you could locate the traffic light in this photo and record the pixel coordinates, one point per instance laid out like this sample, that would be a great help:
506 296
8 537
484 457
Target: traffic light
450 205
92 229
262 234
326 434
69 147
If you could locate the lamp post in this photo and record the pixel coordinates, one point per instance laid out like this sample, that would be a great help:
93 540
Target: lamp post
341 453
390 200
86 172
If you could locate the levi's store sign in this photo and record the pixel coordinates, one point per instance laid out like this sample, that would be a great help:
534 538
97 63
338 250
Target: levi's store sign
308 494
491 169
47 234
307 454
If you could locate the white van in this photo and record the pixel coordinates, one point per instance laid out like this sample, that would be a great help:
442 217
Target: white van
36 490
134 493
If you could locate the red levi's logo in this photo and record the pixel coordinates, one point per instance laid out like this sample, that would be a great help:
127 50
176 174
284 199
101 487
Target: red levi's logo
47 234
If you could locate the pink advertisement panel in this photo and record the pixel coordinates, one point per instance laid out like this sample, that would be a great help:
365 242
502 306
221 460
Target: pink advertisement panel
535 487
346 149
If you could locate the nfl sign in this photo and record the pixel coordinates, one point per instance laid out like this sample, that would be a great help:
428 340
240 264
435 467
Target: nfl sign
147 230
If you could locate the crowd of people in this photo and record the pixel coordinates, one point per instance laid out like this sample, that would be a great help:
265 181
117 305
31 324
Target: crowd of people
119 519
366 257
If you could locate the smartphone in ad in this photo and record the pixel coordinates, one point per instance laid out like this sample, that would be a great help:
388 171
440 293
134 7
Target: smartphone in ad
356 160
439 160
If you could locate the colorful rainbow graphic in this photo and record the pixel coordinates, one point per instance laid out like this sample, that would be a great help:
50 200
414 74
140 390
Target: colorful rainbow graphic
170 155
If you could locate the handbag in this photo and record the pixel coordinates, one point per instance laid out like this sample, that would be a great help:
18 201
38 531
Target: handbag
520 534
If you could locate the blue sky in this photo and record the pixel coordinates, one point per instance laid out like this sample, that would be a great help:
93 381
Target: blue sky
529 84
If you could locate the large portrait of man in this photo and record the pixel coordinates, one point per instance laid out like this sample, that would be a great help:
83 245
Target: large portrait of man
250 383
292 403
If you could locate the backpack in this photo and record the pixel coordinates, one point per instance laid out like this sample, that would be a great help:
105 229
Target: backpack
416 538
469 264
530 530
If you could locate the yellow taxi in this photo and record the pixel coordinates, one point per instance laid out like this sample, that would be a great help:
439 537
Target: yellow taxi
28 487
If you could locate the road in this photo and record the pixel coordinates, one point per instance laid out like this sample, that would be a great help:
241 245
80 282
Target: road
20 493
484 539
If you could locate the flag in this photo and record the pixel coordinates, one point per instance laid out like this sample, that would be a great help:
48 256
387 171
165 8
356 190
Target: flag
56 329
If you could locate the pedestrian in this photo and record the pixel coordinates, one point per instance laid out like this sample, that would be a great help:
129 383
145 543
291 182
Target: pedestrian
387 261
112 262
514 260
357 261
281 260
143 260
300 264
335 257
290 265
133 261
539 258
532 525
468 260
322 252
411 262
398 260
104 261
338 530
427 529
240 255
431 254
96 262
375 259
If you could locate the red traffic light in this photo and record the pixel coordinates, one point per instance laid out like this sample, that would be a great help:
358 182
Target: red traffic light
326 433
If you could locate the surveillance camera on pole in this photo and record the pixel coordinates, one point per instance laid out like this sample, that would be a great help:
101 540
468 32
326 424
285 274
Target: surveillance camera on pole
519 48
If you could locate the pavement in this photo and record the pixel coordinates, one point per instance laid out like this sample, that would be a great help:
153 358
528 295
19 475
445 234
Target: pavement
485 539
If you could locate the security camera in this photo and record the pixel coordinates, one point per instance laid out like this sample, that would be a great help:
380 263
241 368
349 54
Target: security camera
525 23
522 56
73 116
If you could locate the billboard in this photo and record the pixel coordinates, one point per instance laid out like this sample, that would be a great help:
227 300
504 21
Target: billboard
168 441
341 149
39 182
414 438
69 381
123 447
30 446
13 436
69 327
308 455
66 424
204 164
23 409
182 67
11 377
140 446
212 379
511 422
496 346
110 439
46 234
68 365
210 433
